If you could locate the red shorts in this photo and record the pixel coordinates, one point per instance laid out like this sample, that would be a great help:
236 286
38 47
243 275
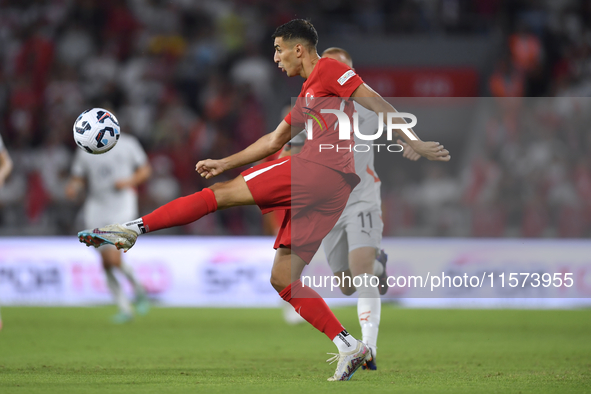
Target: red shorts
313 195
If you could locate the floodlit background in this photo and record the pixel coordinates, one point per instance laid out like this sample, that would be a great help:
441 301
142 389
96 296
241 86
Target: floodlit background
195 79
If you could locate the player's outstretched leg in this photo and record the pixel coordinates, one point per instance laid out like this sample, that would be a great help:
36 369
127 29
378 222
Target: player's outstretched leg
113 234
178 212
285 275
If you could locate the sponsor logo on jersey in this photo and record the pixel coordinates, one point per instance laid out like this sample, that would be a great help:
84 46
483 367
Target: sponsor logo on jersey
345 77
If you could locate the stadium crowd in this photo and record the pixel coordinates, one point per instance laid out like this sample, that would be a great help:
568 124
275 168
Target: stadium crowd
194 80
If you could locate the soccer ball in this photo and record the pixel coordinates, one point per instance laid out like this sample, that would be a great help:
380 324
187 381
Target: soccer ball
96 131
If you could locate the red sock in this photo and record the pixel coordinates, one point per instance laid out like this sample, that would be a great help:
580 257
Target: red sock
312 308
183 210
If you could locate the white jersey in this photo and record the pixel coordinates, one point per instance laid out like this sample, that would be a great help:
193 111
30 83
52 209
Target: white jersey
1 144
360 224
104 203
367 192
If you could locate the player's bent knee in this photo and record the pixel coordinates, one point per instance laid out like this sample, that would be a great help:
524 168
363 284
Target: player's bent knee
232 193
110 257
279 283
362 261
109 263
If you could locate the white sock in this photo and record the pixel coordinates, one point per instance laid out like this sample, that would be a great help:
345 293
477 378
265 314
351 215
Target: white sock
136 225
128 272
345 342
378 268
369 309
117 292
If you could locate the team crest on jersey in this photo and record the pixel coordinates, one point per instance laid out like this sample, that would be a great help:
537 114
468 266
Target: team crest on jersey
309 97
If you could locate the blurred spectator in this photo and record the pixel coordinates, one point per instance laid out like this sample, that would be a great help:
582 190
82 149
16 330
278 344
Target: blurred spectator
481 181
34 57
527 55
437 200
163 187
506 81
75 45
488 220
254 71
100 70
535 218
5 163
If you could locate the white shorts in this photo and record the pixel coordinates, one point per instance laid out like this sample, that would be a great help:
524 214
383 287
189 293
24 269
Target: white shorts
114 211
355 229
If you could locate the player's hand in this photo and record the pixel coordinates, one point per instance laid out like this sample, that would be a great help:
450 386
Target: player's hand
73 189
408 152
431 150
71 192
122 184
210 168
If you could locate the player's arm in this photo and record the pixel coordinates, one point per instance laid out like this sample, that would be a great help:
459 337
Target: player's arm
140 175
74 187
408 152
371 100
263 147
5 166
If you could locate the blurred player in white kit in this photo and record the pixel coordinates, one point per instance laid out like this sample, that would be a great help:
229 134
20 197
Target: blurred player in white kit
111 179
5 170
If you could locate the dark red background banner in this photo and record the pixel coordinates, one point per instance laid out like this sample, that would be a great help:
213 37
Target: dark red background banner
422 82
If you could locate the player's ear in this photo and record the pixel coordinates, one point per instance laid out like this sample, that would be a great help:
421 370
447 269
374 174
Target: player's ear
299 50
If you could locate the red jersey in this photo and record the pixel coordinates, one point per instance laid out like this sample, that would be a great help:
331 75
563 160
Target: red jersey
329 86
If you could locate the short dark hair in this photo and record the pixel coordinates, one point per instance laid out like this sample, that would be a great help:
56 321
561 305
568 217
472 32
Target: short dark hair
298 29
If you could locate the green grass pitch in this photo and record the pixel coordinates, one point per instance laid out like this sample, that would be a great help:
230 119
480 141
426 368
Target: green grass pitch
77 350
